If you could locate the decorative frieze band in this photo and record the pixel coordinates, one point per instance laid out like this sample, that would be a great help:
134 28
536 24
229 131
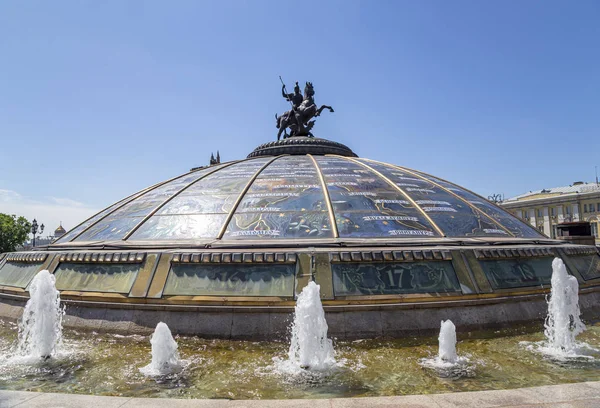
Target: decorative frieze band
513 253
391 256
103 257
26 257
235 257
580 250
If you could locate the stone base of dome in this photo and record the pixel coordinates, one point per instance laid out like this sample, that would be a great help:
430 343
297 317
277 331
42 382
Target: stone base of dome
300 145
348 322
250 293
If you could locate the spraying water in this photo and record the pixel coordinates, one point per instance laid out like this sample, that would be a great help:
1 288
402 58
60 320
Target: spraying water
310 348
563 323
165 358
448 363
40 329
447 342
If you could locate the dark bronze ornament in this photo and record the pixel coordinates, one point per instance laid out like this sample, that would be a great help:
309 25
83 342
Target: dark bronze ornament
299 119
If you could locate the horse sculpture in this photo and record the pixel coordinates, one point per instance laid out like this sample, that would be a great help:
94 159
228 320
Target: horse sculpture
300 119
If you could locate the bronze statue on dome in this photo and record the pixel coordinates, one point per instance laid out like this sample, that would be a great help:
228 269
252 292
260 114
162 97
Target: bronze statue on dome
299 119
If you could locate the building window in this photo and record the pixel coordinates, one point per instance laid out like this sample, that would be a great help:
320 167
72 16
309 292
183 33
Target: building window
567 210
541 229
553 211
585 208
539 212
592 208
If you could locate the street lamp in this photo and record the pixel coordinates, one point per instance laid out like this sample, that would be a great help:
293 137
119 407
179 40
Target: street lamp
34 229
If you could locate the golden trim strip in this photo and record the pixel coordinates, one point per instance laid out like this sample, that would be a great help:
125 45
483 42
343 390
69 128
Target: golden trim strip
327 198
390 182
242 194
446 190
140 286
159 279
124 202
161 205
468 191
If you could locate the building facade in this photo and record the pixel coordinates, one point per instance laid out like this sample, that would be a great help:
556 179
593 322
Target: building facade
544 209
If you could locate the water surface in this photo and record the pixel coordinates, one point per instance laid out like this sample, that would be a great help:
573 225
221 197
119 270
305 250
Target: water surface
108 364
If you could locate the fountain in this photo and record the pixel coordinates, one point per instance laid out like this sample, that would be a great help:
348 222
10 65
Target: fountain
40 329
310 349
447 342
447 363
165 358
222 252
562 324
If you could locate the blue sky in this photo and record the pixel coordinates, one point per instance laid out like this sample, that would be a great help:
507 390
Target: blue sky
101 99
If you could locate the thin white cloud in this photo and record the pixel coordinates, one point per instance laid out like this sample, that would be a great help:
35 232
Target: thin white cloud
8 195
51 211
66 202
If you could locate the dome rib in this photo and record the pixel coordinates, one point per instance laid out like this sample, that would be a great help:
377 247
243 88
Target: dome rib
334 227
399 189
242 194
449 192
457 196
315 196
498 208
161 205
120 204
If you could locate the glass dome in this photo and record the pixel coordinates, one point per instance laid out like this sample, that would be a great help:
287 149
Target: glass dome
295 195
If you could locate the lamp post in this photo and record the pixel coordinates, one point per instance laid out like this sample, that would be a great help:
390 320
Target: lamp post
34 230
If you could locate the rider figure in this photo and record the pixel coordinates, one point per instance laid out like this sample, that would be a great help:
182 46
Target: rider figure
293 115
295 98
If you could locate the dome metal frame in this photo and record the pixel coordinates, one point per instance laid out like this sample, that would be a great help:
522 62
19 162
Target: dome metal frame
72 238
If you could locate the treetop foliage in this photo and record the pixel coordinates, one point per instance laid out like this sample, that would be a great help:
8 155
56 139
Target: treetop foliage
13 232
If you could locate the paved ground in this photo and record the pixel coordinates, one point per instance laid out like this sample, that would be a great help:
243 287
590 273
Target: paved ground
580 395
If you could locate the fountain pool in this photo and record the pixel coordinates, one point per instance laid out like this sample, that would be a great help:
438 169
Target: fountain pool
108 364
225 252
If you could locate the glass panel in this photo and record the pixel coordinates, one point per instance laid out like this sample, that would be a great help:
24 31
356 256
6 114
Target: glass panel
71 234
118 224
309 224
217 193
351 279
96 277
278 201
181 227
18 274
454 216
231 280
587 265
201 210
520 272
109 229
283 202
365 205
514 225
200 203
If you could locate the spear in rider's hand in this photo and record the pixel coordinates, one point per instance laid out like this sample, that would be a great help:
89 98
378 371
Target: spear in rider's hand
285 90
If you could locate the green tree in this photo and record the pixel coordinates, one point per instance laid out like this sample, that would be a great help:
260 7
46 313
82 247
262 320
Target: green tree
13 232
